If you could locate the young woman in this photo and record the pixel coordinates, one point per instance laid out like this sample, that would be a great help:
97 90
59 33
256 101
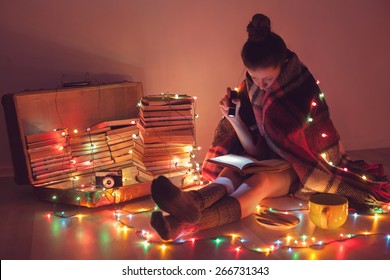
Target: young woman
280 113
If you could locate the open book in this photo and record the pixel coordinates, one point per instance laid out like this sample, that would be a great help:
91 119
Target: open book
248 165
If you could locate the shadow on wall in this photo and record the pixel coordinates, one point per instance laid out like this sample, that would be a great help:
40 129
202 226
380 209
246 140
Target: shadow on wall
31 63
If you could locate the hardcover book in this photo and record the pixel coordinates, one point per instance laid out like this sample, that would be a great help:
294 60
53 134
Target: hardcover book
249 165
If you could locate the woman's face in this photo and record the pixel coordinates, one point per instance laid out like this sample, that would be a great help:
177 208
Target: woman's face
264 77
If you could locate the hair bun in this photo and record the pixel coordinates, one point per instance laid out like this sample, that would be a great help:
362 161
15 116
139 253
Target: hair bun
259 28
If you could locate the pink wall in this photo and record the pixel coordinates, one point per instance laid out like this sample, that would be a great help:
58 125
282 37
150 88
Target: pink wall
194 47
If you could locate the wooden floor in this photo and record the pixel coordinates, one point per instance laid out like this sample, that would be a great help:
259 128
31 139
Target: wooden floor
29 231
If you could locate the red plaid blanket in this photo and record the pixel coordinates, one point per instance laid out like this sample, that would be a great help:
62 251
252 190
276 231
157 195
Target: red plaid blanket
291 120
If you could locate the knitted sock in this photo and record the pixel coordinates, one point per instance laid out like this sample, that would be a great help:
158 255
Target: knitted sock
225 211
185 206
170 228
209 194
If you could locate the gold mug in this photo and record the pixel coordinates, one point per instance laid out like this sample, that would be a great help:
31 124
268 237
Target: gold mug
327 210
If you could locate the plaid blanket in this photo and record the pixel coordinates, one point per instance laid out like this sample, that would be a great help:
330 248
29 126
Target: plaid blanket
291 121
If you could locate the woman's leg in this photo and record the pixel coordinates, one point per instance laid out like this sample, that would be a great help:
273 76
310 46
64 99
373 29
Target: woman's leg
186 206
239 204
263 185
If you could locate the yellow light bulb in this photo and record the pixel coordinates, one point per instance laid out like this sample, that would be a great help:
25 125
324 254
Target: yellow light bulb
188 148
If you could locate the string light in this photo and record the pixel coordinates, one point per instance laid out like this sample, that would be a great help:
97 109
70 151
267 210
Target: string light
239 243
280 244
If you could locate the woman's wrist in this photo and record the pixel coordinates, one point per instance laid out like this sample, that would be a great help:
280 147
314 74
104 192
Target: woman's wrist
236 122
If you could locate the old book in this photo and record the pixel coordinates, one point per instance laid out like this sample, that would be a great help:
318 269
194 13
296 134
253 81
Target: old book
60 133
158 168
126 129
124 158
166 107
93 164
59 165
159 156
165 118
248 165
167 113
170 139
165 122
169 162
86 139
90 131
90 151
63 173
85 158
48 142
147 176
121 152
83 183
51 161
163 148
121 136
38 157
53 146
157 133
164 128
49 169
114 123
88 146
167 138
127 144
166 99
127 139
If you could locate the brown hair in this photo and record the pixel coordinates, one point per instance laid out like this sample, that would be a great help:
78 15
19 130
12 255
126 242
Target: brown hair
263 47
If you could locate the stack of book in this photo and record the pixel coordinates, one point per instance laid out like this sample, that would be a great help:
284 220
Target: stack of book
166 136
59 155
49 153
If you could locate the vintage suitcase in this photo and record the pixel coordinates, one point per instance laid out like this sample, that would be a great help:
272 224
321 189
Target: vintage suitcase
32 113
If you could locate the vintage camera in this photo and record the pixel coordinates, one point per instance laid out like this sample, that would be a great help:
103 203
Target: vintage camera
108 179
232 106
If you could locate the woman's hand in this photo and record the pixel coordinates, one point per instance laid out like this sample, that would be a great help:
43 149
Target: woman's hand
224 106
242 131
